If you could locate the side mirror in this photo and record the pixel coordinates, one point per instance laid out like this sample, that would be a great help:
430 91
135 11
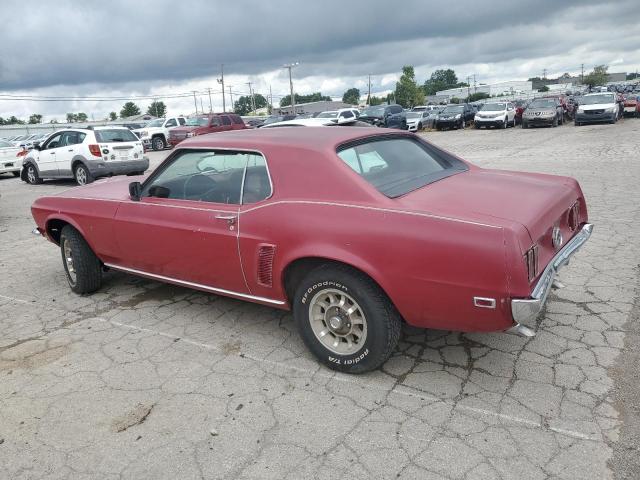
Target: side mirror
36 145
135 190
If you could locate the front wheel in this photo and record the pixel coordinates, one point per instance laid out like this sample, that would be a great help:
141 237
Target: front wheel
345 319
32 176
81 265
158 143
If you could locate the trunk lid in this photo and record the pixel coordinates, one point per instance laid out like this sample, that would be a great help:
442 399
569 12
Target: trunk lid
494 197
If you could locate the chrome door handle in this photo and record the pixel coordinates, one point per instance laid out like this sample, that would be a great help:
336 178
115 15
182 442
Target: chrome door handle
231 219
52 153
70 150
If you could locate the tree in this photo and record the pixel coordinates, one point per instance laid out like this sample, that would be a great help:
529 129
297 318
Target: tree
81 117
543 88
157 109
441 80
314 97
407 93
373 100
71 117
633 76
243 105
477 96
113 116
597 77
129 109
351 96
35 118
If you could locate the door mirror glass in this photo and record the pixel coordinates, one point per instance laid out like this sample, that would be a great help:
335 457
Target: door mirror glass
135 189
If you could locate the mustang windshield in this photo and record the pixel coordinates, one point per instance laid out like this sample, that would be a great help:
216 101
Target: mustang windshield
398 165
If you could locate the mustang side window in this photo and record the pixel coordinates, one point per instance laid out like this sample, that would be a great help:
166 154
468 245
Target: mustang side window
207 176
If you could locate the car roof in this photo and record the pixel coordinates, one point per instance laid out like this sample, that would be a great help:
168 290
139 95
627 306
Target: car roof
316 138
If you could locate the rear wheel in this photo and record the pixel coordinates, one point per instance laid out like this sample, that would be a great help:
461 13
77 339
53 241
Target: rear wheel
345 319
81 265
158 143
32 175
82 175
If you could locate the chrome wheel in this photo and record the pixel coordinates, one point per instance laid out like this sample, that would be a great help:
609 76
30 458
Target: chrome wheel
337 321
31 174
81 176
68 262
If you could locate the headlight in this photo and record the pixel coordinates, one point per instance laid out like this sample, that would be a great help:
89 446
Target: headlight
580 109
458 116
191 134
610 109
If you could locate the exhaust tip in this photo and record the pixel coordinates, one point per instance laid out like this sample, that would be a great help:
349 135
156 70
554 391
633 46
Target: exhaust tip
521 330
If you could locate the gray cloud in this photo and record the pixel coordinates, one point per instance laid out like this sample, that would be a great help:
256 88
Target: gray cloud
75 47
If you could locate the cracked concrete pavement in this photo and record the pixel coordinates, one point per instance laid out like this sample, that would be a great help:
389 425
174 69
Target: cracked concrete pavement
145 380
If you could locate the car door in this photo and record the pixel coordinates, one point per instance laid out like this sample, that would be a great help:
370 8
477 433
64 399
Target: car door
46 158
226 123
215 125
184 227
69 148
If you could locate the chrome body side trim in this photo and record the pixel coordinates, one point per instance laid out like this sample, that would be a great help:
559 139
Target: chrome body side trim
527 309
221 291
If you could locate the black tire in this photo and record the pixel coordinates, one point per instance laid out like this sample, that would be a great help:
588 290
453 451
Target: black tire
87 269
476 126
463 124
577 123
16 174
31 175
158 143
525 124
420 127
382 319
562 119
505 124
82 175
555 121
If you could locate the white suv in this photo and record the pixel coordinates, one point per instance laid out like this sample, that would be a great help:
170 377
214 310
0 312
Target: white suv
155 134
344 115
496 114
85 154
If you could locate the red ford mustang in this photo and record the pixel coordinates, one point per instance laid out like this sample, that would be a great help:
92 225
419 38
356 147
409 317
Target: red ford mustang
353 229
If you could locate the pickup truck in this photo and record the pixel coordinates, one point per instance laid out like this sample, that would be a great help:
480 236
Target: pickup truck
155 134
207 123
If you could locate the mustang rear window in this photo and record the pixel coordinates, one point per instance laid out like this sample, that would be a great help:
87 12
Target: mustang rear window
398 165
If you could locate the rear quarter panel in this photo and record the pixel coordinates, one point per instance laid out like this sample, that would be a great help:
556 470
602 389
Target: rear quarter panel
430 267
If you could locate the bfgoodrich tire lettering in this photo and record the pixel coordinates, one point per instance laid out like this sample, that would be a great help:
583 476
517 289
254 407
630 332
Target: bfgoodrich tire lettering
81 265
361 294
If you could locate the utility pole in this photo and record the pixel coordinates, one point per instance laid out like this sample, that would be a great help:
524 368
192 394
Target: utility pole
544 74
210 106
195 102
369 94
221 82
289 66
253 103
475 89
201 107
270 106
581 73
233 107
468 86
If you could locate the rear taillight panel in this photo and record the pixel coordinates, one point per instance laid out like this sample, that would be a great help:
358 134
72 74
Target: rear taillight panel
95 150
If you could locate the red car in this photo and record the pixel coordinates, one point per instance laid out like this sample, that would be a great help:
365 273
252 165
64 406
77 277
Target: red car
202 124
632 105
353 229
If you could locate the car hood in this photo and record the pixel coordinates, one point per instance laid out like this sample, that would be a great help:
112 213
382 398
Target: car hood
114 188
185 129
497 197
597 106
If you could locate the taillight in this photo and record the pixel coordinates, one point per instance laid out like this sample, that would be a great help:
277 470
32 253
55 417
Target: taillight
574 216
95 150
531 258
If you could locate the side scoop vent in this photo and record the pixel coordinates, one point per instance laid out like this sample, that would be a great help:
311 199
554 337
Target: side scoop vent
265 264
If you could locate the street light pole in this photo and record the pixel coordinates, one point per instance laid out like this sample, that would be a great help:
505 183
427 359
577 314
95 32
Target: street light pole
233 108
221 82
253 102
195 102
289 66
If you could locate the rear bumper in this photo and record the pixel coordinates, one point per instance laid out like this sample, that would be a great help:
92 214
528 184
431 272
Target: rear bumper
527 309
106 168
6 167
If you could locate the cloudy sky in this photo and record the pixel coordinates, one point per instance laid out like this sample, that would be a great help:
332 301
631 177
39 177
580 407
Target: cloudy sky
122 48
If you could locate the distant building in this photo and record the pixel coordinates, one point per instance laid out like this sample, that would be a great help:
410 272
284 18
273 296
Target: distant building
311 107
493 89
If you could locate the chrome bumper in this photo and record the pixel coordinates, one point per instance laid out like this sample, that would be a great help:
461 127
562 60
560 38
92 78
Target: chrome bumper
524 310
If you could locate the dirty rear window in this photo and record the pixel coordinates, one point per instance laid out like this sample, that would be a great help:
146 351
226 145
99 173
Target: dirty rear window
115 135
398 165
